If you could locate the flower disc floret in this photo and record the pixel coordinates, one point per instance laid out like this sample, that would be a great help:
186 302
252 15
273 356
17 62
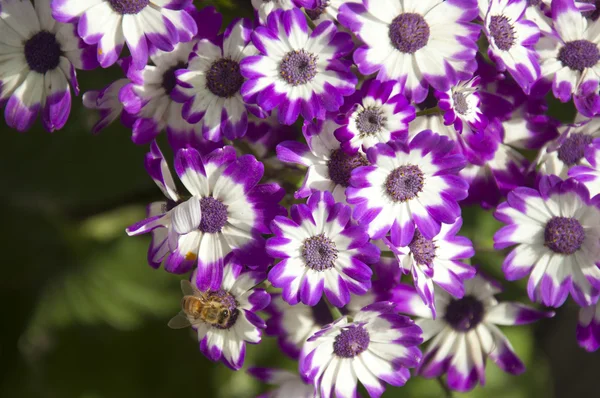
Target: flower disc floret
43 52
214 215
405 183
409 32
128 6
579 54
573 148
464 314
564 235
351 341
502 31
223 78
298 67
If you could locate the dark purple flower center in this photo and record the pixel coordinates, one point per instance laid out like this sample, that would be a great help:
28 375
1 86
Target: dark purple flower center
573 149
593 14
298 67
319 252
225 306
169 80
340 166
214 215
316 12
579 54
533 3
351 341
422 249
42 52
223 78
405 183
464 314
128 6
370 121
460 103
409 32
502 32
564 235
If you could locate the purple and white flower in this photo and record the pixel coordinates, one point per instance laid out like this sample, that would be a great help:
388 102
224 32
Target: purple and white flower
329 166
151 95
589 175
569 149
239 295
322 251
512 38
298 71
466 332
411 184
107 103
462 106
588 327
437 261
38 58
265 7
570 57
227 213
429 42
142 24
373 115
377 346
288 384
557 233
210 84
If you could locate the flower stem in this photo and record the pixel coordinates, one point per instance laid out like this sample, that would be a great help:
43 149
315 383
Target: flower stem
445 388
431 111
335 311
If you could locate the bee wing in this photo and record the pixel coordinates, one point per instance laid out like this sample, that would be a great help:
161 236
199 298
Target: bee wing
179 321
188 289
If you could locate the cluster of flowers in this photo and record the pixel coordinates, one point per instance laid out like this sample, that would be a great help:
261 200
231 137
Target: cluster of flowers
403 119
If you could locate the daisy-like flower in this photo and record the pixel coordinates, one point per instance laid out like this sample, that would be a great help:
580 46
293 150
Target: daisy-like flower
419 43
570 57
322 251
411 184
107 103
377 346
437 261
569 149
557 233
327 10
141 23
466 332
589 175
298 71
151 95
373 115
329 166
38 58
265 7
227 213
288 384
462 106
237 324
512 38
210 84
588 327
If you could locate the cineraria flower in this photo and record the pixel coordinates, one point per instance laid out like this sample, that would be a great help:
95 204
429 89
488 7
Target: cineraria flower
589 176
141 23
377 346
512 39
327 10
265 7
151 95
570 57
568 150
226 340
588 327
210 84
373 115
462 106
106 101
436 261
228 212
38 58
411 184
288 384
329 167
322 251
557 233
298 71
431 42
466 332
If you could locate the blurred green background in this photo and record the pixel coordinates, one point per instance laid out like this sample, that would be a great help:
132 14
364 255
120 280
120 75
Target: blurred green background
83 315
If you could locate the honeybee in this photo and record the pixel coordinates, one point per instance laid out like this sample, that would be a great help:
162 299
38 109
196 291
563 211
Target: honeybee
197 307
